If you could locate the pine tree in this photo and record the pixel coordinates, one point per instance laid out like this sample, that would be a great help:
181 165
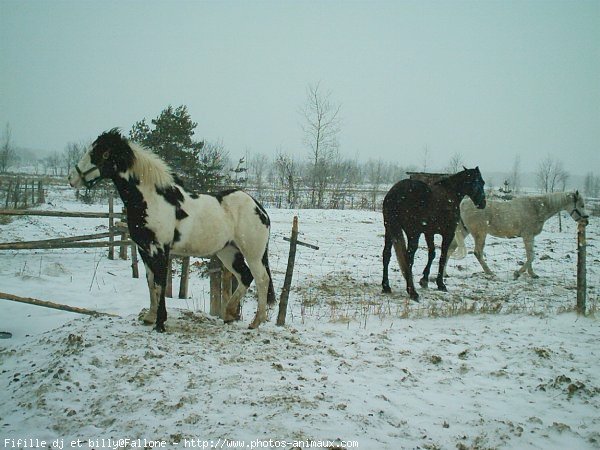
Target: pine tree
171 137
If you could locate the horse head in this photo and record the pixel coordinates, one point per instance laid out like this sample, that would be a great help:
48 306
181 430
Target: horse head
109 154
578 212
474 184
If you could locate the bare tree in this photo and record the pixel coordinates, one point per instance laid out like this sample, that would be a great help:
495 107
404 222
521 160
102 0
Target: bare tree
551 175
375 177
426 155
591 185
7 151
257 170
286 170
52 163
455 164
515 175
72 155
321 128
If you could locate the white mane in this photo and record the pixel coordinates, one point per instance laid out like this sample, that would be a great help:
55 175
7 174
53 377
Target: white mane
555 201
149 168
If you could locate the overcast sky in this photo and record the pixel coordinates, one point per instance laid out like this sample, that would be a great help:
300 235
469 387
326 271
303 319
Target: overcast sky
485 80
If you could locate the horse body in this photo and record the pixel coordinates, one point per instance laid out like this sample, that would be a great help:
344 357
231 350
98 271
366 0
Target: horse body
163 219
413 207
520 217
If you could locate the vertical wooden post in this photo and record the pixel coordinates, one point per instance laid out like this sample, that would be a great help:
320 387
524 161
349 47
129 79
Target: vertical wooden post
135 272
41 198
8 191
25 195
185 277
111 227
16 193
226 277
285 293
214 270
169 288
581 267
123 248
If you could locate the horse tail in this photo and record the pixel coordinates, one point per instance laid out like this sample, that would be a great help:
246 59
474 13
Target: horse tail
458 249
402 254
271 300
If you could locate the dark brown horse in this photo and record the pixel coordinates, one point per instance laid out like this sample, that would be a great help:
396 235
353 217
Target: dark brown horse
415 207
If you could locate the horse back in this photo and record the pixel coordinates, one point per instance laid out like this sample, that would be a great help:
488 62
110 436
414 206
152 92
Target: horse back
514 218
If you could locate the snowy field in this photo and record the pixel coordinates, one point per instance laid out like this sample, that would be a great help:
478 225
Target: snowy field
493 363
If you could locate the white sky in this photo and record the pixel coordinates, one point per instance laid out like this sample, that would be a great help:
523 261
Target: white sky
488 80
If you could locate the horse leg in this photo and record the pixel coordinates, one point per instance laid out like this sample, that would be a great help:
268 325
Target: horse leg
233 260
150 317
261 275
403 260
478 251
430 257
387 254
446 241
156 275
530 255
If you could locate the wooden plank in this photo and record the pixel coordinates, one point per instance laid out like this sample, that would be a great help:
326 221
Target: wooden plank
42 246
304 244
46 304
29 212
83 237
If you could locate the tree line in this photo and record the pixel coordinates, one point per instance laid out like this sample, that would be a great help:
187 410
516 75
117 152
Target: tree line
318 172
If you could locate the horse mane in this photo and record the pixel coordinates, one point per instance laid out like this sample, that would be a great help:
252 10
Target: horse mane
149 167
555 200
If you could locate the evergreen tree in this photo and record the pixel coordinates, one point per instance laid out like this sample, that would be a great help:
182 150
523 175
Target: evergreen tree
171 137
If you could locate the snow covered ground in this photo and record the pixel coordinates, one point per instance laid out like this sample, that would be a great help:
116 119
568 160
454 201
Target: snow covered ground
493 363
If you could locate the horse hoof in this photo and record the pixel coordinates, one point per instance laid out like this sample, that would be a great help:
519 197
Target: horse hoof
160 328
424 283
442 288
386 290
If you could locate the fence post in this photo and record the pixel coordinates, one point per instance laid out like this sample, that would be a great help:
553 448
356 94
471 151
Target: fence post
169 288
8 190
185 277
111 227
41 198
581 267
226 277
25 195
214 270
135 273
123 248
16 192
285 293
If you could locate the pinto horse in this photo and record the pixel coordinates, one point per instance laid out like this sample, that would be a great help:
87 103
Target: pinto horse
520 217
414 207
164 218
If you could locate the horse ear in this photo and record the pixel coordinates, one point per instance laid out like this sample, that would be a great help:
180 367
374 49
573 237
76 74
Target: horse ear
465 168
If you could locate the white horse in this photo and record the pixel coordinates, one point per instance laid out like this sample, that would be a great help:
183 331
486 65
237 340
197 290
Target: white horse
164 218
520 217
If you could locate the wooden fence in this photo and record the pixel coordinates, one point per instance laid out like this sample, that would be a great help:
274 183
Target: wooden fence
19 192
117 236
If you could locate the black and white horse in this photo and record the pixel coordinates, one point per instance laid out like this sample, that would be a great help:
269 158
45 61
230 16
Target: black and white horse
164 218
